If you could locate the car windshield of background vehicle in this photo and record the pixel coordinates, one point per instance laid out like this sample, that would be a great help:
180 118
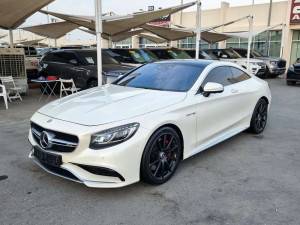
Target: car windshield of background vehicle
149 56
257 53
163 76
90 58
178 54
232 54
209 55
137 56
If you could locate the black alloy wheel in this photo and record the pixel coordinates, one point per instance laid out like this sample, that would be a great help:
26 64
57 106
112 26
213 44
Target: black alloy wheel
259 117
92 84
161 156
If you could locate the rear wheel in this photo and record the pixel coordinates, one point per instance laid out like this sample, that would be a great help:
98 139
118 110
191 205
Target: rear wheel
92 84
161 156
259 117
291 83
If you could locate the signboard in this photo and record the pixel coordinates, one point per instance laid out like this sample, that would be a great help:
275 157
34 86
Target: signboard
295 12
163 21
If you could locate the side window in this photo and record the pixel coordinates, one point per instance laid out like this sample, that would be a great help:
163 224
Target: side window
239 75
59 57
221 75
70 56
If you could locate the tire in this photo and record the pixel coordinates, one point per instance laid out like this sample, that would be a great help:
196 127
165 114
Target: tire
161 156
92 84
259 117
291 83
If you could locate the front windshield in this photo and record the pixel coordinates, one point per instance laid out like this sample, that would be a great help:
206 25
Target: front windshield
163 76
90 58
209 55
232 54
149 56
178 54
257 53
137 56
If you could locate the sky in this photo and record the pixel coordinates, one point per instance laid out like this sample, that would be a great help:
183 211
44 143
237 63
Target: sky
121 7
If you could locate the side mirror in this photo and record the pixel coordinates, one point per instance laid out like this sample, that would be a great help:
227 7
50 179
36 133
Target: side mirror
298 59
73 61
212 87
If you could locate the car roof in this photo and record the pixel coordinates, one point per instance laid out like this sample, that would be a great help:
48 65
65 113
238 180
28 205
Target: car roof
74 50
193 62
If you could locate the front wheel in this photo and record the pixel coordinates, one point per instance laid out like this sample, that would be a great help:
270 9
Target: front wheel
259 117
161 156
92 84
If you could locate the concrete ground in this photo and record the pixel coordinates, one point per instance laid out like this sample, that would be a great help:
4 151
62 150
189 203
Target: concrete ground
248 179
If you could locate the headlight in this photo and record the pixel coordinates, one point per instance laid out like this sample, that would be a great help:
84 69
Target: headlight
113 136
253 63
273 63
291 68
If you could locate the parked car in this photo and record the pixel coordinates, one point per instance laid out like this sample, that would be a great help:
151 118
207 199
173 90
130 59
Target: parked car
275 65
142 125
170 53
31 61
81 65
257 67
46 51
293 74
133 57
202 54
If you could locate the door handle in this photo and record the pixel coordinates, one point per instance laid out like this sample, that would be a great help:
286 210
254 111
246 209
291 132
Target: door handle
234 90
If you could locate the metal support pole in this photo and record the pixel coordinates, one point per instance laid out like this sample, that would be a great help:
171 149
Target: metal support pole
55 42
11 38
98 12
268 32
180 22
282 39
249 41
109 42
198 36
48 23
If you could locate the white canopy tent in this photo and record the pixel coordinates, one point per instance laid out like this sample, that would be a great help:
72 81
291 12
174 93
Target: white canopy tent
30 42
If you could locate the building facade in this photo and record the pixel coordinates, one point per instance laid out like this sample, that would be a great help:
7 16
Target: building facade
282 12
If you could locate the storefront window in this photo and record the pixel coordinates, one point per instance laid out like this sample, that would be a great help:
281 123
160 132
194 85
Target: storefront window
190 43
295 46
126 43
144 43
259 43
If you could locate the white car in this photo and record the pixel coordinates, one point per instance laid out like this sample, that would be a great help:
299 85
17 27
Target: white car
145 123
257 66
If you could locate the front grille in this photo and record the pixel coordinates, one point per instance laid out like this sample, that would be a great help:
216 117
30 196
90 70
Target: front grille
101 171
261 64
282 64
60 142
297 69
59 171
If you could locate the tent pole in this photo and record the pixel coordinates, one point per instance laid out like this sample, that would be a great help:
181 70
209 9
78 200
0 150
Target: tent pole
11 38
55 42
109 42
98 12
249 41
282 40
198 36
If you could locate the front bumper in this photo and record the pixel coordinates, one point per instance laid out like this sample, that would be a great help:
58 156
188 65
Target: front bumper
276 70
292 76
258 70
124 158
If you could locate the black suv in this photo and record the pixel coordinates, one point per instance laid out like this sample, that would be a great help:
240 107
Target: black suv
81 65
293 74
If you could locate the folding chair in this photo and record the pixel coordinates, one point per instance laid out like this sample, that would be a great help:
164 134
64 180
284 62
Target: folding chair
4 95
11 88
70 88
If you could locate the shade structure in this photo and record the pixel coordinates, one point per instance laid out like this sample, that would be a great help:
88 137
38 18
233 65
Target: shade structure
52 30
113 25
3 36
15 12
152 37
30 42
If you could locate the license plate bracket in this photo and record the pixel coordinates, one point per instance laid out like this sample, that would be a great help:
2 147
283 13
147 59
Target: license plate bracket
47 157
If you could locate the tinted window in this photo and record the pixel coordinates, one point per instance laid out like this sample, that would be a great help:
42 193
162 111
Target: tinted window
163 76
70 56
90 58
221 75
242 52
55 57
239 75
149 56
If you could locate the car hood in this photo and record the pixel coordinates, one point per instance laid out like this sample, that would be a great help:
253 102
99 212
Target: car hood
109 103
251 60
266 58
111 68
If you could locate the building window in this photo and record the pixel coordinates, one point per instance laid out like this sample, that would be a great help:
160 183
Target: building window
259 43
295 54
190 43
126 43
145 43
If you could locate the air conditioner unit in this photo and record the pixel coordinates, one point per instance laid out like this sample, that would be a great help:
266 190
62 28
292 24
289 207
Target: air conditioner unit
12 63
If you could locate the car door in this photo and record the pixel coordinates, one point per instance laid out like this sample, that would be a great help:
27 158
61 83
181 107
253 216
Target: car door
216 116
51 64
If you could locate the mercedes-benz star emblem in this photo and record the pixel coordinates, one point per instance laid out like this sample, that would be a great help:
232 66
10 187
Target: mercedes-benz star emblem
46 140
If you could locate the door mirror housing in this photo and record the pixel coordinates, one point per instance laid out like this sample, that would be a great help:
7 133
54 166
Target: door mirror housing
212 87
73 61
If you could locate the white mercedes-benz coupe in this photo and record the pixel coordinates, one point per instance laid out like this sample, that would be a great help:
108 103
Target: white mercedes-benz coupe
146 122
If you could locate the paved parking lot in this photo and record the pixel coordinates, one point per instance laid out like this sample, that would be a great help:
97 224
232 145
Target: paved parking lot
249 179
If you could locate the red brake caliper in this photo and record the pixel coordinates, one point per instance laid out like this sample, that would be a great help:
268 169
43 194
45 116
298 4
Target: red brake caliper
169 154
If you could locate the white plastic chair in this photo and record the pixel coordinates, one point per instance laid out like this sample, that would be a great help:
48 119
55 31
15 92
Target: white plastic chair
63 88
11 88
4 95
